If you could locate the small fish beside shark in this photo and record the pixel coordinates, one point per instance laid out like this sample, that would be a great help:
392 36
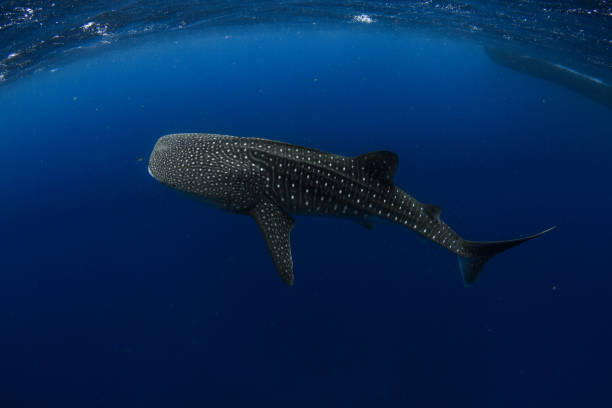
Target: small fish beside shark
270 180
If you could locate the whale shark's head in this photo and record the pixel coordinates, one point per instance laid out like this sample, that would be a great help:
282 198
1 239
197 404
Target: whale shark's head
184 161
172 161
199 164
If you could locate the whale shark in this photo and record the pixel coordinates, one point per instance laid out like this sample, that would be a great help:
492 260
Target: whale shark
271 180
576 81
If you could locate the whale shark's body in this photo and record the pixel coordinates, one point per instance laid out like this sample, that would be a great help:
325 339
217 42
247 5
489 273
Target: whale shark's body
269 180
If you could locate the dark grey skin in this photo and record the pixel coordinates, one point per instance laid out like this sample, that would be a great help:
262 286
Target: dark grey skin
269 180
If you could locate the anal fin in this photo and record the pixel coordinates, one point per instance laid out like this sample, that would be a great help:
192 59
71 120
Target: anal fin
276 224
366 224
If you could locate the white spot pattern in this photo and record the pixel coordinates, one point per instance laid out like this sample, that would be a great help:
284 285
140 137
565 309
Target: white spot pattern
235 174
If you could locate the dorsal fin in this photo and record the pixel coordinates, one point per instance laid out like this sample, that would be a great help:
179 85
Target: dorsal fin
381 165
433 210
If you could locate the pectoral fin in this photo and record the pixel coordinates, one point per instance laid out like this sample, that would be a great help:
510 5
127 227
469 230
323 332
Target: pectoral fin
276 224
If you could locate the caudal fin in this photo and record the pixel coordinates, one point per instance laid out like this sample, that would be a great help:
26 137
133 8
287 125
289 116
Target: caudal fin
481 252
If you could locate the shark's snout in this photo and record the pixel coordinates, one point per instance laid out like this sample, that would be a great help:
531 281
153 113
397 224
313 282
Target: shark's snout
160 159
173 159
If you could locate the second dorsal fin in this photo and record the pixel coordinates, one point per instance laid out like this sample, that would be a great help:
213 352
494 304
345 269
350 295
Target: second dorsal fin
380 165
433 210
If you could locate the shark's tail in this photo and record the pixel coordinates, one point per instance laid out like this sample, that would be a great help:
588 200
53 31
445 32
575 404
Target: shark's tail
481 252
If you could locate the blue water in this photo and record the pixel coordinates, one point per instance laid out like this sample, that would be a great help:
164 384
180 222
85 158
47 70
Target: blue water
116 291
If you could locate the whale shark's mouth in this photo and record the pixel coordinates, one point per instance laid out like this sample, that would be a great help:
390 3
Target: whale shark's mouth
149 170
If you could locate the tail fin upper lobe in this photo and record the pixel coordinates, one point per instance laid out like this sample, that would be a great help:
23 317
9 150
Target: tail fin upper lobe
481 252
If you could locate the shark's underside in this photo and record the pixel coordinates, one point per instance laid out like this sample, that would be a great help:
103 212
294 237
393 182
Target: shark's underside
270 180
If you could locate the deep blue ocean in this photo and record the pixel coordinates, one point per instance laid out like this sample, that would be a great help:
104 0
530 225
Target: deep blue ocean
116 291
